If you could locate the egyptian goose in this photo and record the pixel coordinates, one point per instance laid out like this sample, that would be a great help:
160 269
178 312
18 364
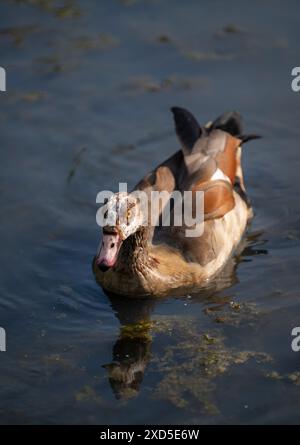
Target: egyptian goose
137 259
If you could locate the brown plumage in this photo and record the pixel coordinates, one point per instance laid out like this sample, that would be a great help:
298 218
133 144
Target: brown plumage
159 260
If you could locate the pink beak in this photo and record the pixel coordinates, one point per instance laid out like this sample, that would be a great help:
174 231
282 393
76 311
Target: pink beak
108 252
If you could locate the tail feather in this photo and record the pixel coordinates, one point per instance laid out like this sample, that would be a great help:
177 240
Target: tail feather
187 128
231 121
249 137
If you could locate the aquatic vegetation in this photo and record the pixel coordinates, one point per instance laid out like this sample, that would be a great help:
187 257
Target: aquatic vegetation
274 375
137 330
32 96
17 35
26 96
229 30
142 84
76 162
292 377
102 41
207 55
232 29
190 366
164 38
63 10
53 65
88 394
234 313
67 11
173 82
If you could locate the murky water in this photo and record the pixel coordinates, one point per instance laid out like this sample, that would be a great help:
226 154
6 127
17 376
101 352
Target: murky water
89 86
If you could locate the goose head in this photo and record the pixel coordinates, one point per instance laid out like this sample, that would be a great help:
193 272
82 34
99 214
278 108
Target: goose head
121 216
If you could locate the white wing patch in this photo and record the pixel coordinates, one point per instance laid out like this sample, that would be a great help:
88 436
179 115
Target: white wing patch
218 174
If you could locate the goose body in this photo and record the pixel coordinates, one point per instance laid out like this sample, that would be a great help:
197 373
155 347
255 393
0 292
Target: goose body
142 260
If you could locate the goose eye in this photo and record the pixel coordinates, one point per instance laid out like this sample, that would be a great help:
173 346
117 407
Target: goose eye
105 214
128 215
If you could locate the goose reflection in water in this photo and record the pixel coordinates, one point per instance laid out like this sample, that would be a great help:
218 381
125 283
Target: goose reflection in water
132 350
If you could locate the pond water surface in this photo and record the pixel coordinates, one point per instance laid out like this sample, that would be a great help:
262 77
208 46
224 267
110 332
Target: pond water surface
89 87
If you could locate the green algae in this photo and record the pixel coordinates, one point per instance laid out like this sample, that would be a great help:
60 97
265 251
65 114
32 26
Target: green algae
191 366
32 96
88 394
229 29
293 377
164 38
101 42
17 35
137 330
173 82
274 375
200 56
232 313
63 10
53 65
232 29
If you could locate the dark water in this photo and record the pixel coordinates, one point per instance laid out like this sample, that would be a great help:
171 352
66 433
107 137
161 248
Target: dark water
89 86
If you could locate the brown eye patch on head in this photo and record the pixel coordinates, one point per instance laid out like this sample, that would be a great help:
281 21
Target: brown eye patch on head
130 205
